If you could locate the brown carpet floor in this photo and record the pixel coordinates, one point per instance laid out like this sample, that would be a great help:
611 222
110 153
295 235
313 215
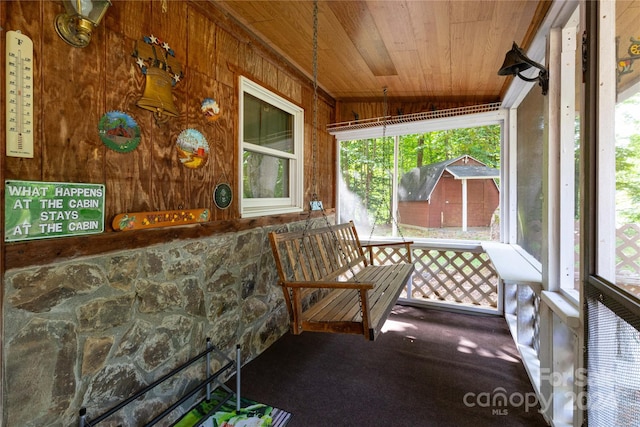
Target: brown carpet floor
430 368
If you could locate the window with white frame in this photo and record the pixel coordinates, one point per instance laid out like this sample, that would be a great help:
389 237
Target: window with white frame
569 155
271 152
529 169
431 178
545 149
618 182
612 285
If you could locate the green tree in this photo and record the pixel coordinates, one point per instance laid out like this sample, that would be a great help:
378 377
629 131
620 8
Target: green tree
367 165
628 179
628 165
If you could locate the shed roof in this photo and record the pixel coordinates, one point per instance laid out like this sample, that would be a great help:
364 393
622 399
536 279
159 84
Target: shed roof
473 172
418 184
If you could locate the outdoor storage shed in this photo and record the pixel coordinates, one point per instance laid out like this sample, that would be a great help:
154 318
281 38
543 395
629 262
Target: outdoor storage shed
460 192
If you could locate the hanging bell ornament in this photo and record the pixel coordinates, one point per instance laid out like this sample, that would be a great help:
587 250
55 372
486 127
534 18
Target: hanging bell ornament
157 95
157 61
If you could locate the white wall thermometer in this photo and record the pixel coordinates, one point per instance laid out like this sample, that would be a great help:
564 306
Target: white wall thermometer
19 78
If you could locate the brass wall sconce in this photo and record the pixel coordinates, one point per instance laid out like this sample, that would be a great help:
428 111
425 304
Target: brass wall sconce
516 61
81 17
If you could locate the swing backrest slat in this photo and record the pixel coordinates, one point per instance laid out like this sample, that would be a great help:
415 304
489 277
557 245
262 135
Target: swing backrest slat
318 254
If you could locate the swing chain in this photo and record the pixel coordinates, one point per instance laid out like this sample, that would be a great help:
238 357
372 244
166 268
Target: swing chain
385 113
384 137
314 130
314 151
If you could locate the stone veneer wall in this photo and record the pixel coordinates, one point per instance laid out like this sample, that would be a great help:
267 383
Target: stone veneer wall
90 332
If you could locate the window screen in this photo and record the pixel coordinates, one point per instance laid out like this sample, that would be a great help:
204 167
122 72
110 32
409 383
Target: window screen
613 342
529 173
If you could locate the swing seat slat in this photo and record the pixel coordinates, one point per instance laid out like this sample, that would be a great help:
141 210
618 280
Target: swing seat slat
329 283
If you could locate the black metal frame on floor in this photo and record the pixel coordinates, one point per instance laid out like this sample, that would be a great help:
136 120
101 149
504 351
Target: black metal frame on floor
211 379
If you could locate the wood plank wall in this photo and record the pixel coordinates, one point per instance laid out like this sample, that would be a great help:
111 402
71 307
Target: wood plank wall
74 87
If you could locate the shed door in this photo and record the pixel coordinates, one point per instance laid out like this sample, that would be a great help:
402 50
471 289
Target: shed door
452 201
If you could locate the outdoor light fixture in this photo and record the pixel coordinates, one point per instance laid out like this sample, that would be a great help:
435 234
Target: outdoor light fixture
516 61
81 17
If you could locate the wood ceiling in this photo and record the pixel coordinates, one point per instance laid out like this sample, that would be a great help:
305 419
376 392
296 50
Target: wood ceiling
417 49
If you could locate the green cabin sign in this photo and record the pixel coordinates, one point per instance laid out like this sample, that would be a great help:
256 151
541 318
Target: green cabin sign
41 210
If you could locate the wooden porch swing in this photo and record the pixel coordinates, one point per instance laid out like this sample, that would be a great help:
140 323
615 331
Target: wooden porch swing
329 283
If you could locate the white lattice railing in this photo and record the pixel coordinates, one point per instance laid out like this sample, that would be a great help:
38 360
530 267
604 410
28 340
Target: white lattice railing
463 274
459 274
628 254
454 275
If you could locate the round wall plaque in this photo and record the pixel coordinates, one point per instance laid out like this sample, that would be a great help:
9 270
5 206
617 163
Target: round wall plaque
119 131
210 109
193 148
222 195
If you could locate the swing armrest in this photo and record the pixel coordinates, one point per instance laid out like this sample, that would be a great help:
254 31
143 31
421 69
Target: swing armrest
385 244
369 246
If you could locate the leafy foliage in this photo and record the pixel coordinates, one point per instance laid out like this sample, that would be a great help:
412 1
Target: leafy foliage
367 165
628 166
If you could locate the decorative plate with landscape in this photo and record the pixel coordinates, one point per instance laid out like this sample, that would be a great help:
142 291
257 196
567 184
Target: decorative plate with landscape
119 131
210 109
193 148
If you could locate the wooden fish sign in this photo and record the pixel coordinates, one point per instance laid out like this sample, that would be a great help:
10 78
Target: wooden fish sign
141 220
